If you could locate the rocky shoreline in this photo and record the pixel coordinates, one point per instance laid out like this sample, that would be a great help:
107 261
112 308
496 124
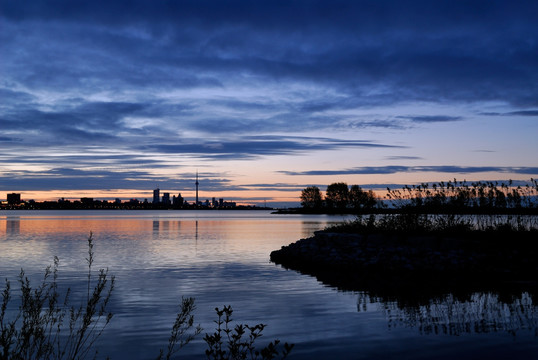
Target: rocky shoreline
388 259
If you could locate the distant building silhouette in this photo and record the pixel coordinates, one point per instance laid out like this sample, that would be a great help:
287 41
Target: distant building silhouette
86 201
166 198
156 195
178 201
13 199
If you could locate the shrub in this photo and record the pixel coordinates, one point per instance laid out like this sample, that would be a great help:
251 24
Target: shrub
239 341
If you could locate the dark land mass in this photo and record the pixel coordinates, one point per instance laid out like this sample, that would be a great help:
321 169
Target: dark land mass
416 267
425 210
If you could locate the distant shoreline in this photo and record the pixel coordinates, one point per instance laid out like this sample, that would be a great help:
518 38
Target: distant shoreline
142 209
470 211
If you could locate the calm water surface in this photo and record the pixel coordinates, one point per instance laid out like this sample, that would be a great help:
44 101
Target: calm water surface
222 258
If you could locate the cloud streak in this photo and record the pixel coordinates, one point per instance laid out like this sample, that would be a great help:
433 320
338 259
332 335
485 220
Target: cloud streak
77 179
254 146
533 113
383 170
431 118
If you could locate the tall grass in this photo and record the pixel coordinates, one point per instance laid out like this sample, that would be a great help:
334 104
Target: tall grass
460 196
409 223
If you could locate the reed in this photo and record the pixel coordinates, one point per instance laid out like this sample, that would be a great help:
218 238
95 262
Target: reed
455 224
462 197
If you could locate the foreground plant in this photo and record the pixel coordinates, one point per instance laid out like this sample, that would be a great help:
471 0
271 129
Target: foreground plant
46 326
179 335
238 343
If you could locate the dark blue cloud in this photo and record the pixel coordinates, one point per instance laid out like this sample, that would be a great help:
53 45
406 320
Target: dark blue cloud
524 113
517 113
78 120
404 158
269 14
431 118
479 50
87 161
81 179
254 146
9 139
371 170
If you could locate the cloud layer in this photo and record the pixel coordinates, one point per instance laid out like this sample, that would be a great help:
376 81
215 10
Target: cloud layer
376 170
137 88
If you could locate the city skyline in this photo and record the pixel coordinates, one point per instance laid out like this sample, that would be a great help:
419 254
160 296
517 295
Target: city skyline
159 201
157 198
262 99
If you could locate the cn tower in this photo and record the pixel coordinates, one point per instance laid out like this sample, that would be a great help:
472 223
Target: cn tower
196 205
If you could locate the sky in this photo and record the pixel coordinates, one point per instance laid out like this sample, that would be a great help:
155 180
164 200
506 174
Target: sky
263 98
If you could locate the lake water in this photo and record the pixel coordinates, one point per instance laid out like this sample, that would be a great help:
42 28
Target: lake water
222 258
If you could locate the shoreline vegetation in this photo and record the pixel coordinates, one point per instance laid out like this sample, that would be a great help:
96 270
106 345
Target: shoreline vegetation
451 197
415 253
433 239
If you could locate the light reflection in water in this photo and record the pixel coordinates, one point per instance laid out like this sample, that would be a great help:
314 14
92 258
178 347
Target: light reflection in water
13 226
223 258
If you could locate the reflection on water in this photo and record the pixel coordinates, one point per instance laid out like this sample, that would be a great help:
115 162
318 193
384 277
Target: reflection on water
222 258
13 225
451 315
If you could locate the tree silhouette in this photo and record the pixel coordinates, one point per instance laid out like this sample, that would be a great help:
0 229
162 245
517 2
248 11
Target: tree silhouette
311 197
337 195
360 199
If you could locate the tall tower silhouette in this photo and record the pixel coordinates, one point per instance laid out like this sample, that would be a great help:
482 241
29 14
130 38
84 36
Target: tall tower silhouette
196 188
156 196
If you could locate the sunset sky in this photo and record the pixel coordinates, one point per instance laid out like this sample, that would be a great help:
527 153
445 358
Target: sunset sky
263 98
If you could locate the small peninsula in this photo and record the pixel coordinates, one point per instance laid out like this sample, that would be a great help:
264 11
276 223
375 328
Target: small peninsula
395 251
